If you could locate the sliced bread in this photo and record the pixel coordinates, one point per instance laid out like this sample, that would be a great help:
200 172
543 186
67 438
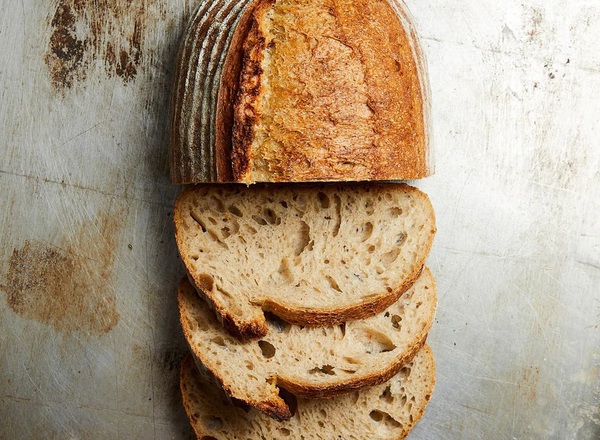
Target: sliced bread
386 411
309 361
312 255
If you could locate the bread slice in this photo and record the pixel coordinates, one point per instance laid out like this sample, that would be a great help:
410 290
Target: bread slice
309 361
330 90
312 255
386 411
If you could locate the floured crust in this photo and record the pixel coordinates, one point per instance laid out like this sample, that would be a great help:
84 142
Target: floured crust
228 90
342 102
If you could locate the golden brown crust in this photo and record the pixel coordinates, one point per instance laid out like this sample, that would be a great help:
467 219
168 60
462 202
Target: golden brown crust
354 384
345 102
320 318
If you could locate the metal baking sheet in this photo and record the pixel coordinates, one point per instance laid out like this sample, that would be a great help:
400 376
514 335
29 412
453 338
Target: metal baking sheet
89 339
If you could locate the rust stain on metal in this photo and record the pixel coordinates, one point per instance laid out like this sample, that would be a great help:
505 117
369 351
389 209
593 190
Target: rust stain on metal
528 383
65 53
84 32
65 287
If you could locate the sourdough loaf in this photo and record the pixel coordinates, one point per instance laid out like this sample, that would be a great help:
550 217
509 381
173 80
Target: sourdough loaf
324 90
311 254
386 411
309 361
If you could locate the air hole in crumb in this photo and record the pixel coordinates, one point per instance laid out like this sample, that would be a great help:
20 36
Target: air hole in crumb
321 424
325 369
198 220
343 329
249 365
267 349
225 232
251 229
373 341
212 220
213 422
326 261
365 231
235 211
205 282
333 284
216 204
219 341
271 217
395 212
338 210
404 372
323 412
387 314
376 415
396 320
284 270
284 204
389 257
324 201
303 238
208 437
386 396
261 221
371 249
285 432
400 239
379 417
352 360
389 289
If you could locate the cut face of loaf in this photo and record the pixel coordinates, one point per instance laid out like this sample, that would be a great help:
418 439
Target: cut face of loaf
312 255
324 90
309 361
386 411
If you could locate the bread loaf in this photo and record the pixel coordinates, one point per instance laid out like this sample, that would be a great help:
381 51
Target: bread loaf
387 411
324 90
309 361
311 254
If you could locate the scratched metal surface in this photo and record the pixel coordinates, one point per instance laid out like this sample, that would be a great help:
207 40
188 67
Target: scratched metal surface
89 339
